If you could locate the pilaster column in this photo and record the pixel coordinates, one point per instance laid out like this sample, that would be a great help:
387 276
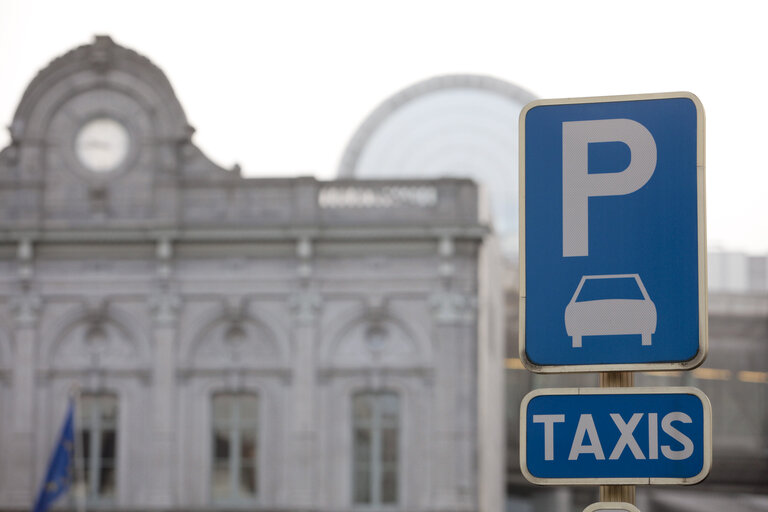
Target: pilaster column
454 388
20 462
165 305
305 304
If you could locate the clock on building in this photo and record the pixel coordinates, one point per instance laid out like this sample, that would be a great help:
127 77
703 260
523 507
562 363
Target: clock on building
102 144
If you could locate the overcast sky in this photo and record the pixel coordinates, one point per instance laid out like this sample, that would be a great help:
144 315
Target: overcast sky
279 87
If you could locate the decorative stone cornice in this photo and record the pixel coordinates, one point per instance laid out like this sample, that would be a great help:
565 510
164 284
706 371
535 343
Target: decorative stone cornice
145 231
425 373
94 376
187 372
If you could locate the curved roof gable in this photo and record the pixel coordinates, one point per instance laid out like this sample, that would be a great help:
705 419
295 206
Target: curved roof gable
100 138
91 64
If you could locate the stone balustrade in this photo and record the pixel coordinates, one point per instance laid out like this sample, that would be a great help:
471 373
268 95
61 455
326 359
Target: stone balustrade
256 203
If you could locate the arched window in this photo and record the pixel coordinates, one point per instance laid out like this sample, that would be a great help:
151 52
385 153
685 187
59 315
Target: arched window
235 471
375 453
97 456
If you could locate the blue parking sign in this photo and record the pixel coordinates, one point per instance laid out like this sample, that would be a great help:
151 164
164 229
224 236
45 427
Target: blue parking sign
613 243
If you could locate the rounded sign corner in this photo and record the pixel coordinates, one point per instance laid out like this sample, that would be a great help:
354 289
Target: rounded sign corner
697 360
705 470
527 363
527 474
694 99
530 106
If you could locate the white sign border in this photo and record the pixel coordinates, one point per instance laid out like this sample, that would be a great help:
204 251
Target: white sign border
701 354
683 390
607 506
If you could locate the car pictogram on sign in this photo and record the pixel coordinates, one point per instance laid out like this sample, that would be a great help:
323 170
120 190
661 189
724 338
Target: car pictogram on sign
616 304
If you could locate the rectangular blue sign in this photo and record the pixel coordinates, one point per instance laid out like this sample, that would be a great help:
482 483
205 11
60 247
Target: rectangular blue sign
613 268
616 436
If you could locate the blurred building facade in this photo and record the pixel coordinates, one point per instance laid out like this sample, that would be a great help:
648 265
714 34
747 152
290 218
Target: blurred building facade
738 272
235 343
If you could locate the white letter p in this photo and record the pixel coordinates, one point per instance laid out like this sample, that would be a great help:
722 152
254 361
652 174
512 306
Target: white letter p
579 185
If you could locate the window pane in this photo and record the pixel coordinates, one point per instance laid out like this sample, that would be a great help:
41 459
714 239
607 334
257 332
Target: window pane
389 445
389 486
389 406
220 484
362 408
248 446
107 481
375 418
108 410
248 480
221 444
362 448
85 444
362 486
108 439
235 447
98 444
222 408
249 406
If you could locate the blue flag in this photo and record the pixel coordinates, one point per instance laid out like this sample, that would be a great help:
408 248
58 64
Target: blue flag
59 475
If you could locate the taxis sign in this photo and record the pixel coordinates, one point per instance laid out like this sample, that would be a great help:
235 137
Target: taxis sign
616 436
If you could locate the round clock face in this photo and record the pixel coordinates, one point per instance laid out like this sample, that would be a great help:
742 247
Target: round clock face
102 144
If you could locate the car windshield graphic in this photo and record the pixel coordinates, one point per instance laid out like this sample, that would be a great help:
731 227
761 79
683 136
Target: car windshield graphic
610 288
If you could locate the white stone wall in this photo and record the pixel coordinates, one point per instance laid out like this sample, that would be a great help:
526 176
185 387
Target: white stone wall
164 356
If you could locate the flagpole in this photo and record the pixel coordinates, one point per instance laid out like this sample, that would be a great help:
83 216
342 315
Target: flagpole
78 488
